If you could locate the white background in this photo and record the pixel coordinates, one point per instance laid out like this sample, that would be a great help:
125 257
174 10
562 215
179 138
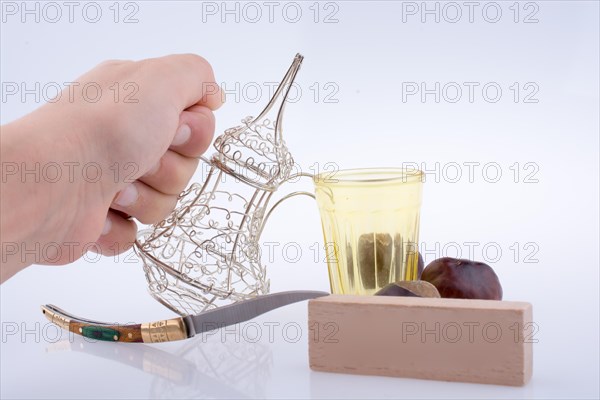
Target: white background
364 54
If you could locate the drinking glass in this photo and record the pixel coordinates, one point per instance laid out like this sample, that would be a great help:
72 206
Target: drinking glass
370 220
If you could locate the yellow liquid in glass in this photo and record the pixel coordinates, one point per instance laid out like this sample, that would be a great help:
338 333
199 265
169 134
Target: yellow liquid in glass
370 220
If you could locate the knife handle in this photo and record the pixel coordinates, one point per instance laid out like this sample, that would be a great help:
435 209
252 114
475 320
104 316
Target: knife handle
153 332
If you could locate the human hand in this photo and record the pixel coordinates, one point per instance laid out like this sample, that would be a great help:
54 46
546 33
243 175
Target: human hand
146 152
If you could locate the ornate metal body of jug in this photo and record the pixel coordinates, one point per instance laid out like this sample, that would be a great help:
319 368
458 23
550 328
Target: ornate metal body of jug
206 252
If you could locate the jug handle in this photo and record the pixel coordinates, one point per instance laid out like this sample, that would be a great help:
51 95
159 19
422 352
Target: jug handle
287 196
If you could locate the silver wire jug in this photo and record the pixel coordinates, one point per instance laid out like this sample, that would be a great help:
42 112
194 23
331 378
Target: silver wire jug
206 252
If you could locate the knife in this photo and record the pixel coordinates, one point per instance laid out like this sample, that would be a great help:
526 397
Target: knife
177 328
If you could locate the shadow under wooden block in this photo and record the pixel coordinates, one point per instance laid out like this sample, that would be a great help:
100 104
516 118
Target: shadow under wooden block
482 341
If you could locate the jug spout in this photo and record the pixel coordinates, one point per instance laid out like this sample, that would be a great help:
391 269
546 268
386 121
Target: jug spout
280 96
255 151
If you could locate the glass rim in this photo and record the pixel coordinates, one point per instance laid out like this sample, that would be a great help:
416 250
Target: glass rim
361 176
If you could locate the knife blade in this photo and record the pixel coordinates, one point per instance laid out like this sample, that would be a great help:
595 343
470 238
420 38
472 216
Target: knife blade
246 310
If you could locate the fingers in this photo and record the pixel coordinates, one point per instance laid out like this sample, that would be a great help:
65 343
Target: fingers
150 200
154 195
195 132
144 203
117 236
171 174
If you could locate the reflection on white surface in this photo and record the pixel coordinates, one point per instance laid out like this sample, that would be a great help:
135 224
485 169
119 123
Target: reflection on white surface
231 370
199 369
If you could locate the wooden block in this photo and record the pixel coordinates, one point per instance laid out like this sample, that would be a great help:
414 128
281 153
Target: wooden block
482 341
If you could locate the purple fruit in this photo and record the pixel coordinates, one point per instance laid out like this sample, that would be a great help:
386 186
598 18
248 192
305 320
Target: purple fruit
463 279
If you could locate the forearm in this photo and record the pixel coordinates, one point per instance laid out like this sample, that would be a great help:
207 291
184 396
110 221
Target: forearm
31 197
18 198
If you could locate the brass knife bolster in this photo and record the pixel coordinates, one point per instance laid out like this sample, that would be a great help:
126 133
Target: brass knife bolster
153 332
168 330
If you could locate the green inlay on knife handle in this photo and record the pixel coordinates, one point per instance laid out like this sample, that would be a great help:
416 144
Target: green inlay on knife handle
93 329
100 333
